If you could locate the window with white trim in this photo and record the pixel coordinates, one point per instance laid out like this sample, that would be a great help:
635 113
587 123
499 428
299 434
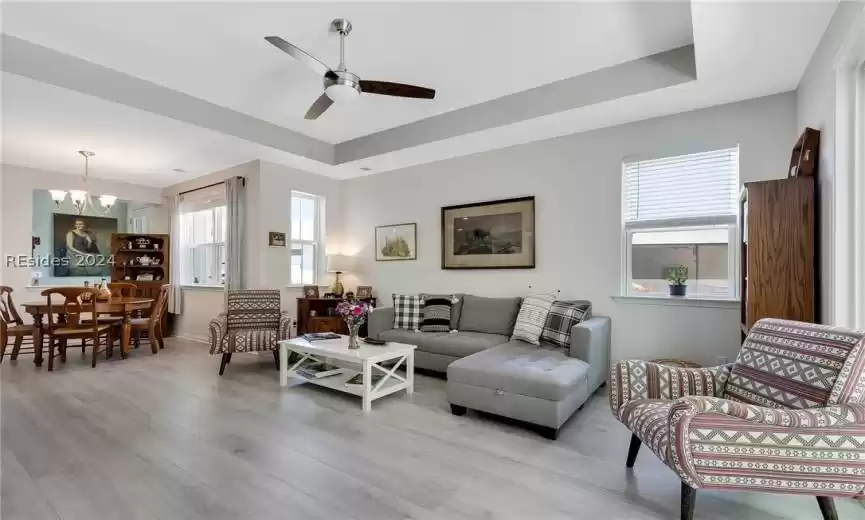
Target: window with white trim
681 211
138 224
859 195
203 221
306 238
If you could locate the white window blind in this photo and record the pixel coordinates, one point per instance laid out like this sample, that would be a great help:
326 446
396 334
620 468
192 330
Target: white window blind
683 187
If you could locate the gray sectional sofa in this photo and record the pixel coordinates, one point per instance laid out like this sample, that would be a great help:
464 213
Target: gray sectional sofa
488 371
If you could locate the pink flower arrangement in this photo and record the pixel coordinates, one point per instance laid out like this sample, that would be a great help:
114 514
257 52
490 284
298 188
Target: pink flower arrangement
353 312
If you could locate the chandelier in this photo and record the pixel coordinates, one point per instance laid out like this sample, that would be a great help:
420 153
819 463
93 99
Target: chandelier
81 199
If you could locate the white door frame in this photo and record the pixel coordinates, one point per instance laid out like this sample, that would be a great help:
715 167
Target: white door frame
848 278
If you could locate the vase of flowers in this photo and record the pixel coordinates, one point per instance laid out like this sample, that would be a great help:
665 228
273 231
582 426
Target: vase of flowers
354 313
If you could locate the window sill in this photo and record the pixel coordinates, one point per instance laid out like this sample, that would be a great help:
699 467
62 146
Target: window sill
680 301
203 287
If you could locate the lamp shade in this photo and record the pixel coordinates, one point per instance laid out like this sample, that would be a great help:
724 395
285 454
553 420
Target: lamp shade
339 263
57 195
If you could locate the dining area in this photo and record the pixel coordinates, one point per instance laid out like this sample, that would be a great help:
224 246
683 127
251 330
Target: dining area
116 315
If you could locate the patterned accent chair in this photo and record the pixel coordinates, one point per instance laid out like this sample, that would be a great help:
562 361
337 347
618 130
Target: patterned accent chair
253 323
787 417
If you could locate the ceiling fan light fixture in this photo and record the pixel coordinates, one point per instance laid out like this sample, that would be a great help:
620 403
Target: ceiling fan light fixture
339 83
341 92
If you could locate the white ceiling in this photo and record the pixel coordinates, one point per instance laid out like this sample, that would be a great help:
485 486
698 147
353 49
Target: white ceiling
44 126
470 53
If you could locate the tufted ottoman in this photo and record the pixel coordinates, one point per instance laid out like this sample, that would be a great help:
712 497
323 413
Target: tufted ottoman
538 385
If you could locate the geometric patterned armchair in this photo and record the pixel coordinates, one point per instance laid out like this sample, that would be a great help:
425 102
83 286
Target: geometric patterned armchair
253 322
788 416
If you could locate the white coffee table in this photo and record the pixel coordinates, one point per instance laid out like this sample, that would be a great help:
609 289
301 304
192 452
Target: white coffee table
366 359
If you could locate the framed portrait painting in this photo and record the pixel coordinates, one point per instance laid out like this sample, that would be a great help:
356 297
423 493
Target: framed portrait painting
396 242
498 234
85 242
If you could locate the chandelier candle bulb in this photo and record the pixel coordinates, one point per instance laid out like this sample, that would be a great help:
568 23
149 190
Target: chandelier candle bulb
57 196
107 201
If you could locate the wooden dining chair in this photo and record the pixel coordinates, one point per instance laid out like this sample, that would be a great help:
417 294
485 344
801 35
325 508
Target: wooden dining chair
11 325
154 323
118 290
71 304
122 289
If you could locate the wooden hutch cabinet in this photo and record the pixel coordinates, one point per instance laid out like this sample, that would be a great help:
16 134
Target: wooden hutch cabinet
142 259
780 277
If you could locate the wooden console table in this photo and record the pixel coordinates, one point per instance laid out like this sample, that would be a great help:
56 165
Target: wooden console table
325 319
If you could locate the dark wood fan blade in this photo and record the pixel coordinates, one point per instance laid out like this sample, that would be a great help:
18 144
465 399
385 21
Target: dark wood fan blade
386 88
301 56
321 104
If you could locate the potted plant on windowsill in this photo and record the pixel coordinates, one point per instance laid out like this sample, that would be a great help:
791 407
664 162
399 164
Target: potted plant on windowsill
677 277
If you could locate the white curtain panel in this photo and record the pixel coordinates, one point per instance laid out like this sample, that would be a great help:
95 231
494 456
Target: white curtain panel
236 214
175 294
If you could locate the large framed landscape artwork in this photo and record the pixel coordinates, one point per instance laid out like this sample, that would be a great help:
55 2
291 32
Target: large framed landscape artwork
396 242
498 234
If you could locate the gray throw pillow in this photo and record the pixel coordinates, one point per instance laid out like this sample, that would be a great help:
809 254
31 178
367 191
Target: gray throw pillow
489 315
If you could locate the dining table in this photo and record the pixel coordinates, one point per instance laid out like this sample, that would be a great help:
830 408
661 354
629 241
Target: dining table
124 306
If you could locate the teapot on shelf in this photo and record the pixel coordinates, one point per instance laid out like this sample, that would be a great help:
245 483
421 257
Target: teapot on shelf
144 260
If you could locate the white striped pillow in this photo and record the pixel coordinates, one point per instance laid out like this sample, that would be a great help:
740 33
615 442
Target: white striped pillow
532 318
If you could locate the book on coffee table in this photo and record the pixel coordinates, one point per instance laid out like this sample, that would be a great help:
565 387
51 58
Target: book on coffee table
358 380
318 336
319 370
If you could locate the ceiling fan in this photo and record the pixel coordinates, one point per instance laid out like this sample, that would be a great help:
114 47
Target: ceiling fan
340 84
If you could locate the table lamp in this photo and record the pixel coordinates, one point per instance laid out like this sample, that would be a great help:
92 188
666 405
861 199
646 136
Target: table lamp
339 264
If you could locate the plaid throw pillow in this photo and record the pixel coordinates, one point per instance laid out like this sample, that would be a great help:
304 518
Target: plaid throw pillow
532 317
562 317
436 315
407 311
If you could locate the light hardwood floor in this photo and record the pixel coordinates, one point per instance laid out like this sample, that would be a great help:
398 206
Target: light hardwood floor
163 437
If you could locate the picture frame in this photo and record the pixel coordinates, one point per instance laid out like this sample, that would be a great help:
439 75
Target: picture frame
496 234
363 291
396 242
84 242
276 239
310 291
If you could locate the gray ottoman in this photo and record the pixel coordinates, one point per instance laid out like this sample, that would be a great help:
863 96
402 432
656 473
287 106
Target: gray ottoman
541 386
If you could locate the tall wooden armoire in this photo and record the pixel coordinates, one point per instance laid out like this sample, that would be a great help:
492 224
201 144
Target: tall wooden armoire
780 277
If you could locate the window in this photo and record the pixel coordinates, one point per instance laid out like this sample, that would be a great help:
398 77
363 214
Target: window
307 225
681 211
203 220
138 225
859 197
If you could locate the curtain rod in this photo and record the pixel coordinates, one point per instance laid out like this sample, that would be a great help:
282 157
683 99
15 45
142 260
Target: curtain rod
211 185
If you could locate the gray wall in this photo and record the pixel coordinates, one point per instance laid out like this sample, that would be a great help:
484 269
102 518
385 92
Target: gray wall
577 182
815 107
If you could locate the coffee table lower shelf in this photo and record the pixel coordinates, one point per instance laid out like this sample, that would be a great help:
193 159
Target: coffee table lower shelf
339 382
